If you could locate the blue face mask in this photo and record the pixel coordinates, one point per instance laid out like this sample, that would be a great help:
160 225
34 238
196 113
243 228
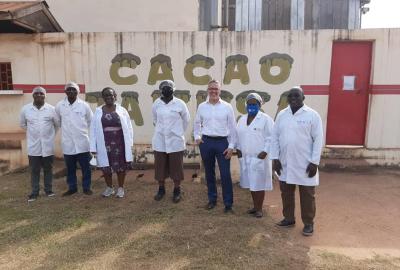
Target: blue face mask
252 109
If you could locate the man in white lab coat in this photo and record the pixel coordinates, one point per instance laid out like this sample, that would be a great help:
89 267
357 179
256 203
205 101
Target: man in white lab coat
296 150
40 121
75 116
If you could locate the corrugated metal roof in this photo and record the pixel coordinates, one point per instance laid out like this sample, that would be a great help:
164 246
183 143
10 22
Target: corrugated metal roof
27 17
14 6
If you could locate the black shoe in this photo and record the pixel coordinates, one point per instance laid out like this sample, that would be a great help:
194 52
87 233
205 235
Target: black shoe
286 223
308 230
210 205
88 192
32 197
69 192
228 210
251 211
160 194
258 214
176 195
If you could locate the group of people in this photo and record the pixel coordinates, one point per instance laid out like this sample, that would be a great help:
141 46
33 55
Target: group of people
291 147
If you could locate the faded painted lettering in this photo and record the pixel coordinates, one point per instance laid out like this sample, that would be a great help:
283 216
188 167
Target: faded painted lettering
283 61
236 69
197 61
124 60
160 62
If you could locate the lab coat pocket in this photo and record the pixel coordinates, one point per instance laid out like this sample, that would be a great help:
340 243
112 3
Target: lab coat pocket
258 164
304 125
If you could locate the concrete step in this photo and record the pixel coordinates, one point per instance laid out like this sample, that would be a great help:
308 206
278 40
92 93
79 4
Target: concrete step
4 167
353 156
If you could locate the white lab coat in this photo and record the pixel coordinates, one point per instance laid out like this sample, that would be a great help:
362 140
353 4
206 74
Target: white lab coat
297 141
255 173
41 126
97 143
75 122
171 121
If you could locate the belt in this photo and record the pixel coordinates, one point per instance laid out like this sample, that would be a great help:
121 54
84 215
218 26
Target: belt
215 137
108 129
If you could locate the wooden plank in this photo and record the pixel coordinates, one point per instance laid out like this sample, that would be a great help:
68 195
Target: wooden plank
238 15
325 19
340 14
258 10
315 14
300 9
286 18
279 15
245 15
252 14
232 15
215 13
308 14
294 15
204 26
352 14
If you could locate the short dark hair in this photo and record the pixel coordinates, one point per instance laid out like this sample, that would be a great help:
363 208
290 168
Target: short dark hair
108 88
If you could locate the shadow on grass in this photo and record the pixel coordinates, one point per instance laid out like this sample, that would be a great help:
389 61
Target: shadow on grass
137 232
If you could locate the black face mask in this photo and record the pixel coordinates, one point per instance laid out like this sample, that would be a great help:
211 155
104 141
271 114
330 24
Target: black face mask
167 92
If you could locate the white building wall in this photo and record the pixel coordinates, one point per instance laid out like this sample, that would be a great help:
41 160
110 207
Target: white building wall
125 15
48 59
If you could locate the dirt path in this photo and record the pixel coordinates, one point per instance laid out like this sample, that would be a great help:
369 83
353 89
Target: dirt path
358 216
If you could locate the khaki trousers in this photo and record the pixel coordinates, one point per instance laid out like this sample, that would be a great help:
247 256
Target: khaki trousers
307 202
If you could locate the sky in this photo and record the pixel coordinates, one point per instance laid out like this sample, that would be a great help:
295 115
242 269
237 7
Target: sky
382 14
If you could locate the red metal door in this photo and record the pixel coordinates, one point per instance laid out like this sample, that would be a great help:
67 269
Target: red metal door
348 93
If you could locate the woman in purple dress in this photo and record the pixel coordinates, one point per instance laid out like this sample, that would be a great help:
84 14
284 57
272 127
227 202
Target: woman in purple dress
111 141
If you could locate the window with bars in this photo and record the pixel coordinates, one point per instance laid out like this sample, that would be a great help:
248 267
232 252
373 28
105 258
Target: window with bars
5 76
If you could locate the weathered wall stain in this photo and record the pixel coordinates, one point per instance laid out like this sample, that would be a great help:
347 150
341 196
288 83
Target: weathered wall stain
283 61
163 62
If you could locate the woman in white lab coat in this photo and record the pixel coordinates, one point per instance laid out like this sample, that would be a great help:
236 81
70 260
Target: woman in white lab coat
254 134
111 140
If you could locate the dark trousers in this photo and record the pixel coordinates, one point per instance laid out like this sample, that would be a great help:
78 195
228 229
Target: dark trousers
36 163
70 162
210 150
307 202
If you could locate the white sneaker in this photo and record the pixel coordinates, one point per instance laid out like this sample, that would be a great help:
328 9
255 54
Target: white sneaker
120 192
108 192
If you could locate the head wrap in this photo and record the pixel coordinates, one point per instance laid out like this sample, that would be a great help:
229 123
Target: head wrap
254 96
38 89
72 85
168 83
